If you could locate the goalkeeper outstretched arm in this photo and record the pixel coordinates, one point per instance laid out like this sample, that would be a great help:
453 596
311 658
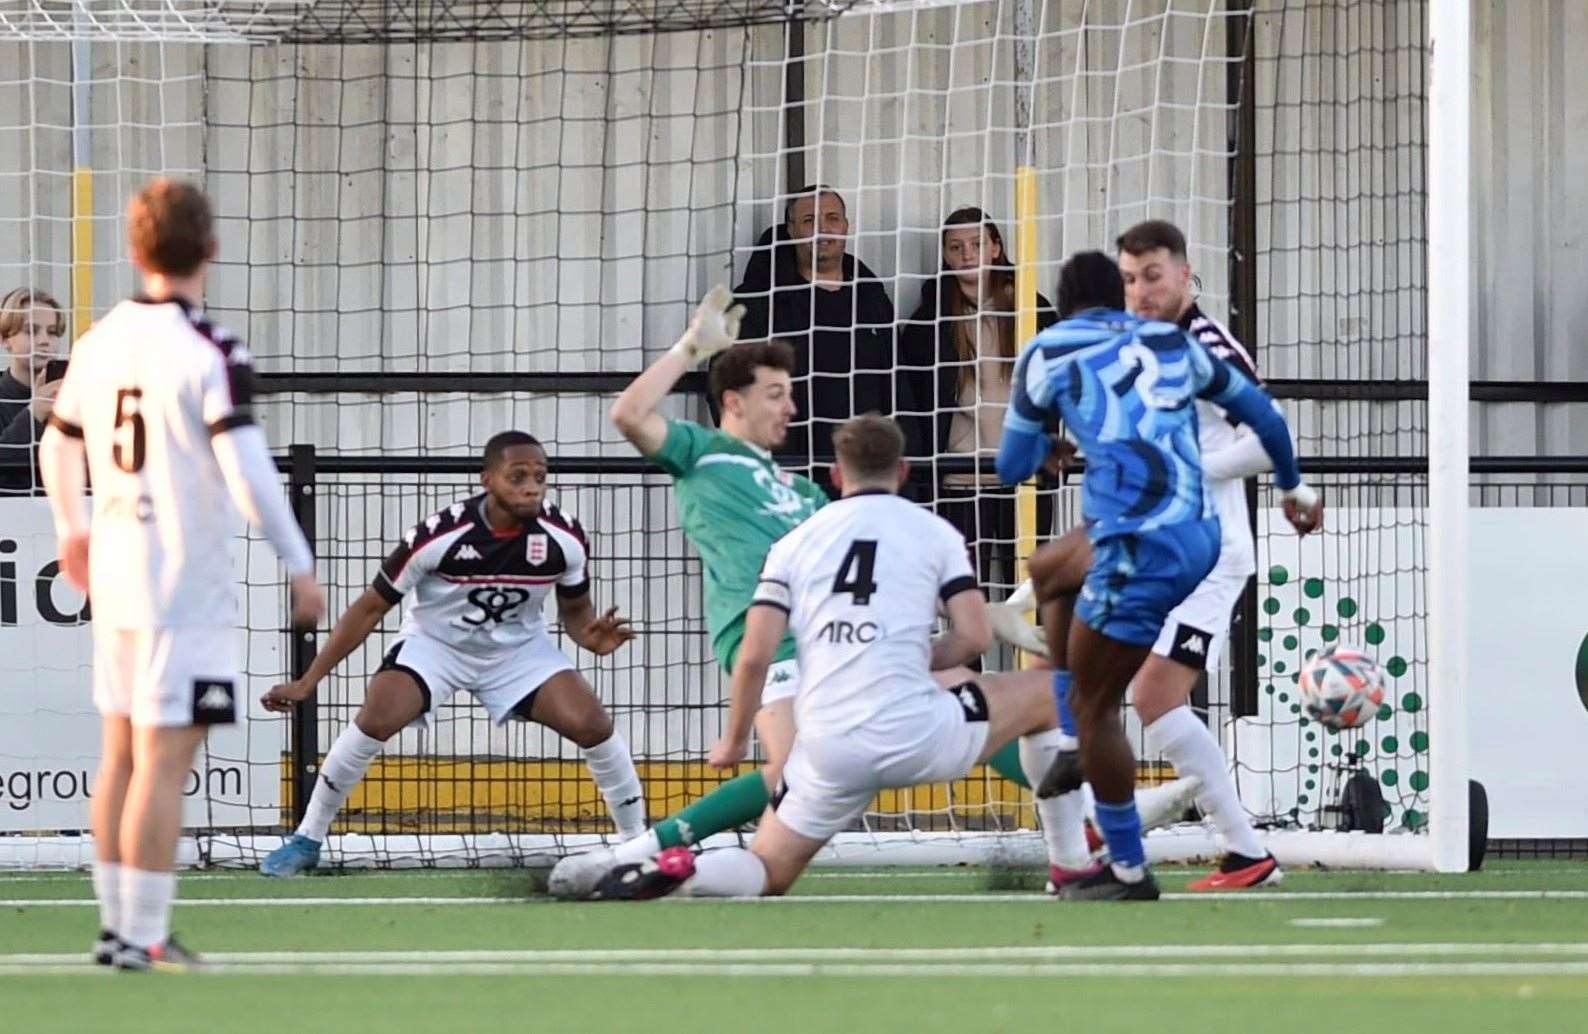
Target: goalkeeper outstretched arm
714 328
352 628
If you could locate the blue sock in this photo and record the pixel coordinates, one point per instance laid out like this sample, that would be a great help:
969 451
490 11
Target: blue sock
1121 826
1061 696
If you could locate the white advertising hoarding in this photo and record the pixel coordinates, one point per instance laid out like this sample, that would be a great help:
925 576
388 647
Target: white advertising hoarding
1529 670
49 730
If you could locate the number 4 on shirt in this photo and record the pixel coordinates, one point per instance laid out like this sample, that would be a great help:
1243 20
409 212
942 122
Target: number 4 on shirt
855 573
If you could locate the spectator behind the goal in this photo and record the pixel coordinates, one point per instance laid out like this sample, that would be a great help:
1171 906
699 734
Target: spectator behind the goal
802 286
958 351
32 327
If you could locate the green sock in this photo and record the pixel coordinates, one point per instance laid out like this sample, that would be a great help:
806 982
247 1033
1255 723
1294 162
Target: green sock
1007 764
739 800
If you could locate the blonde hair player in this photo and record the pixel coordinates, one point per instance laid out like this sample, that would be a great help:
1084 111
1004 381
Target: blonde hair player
156 400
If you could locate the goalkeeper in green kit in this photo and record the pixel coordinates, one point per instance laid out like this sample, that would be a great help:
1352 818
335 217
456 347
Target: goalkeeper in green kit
734 501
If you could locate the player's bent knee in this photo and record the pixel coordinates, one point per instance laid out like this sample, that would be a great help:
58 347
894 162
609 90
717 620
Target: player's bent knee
1161 686
591 728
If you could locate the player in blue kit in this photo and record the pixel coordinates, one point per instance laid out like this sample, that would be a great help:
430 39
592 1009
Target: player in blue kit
1124 388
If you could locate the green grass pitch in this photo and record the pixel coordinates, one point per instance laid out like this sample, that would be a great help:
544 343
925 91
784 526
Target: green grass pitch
872 951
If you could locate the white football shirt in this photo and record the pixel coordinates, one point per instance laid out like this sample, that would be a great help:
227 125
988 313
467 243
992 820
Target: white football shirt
480 591
861 582
1237 553
147 387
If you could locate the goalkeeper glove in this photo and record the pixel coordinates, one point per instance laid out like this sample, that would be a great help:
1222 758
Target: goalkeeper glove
714 328
1010 625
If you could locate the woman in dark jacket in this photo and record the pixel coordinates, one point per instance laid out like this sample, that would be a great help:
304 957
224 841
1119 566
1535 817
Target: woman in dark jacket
959 349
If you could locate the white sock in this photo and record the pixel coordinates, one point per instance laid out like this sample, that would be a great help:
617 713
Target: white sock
342 769
1061 816
638 849
107 888
613 771
146 906
1129 873
1190 747
730 872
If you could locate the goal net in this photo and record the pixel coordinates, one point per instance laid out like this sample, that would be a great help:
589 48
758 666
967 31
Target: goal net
443 219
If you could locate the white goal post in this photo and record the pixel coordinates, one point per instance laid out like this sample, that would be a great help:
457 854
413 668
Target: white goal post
544 187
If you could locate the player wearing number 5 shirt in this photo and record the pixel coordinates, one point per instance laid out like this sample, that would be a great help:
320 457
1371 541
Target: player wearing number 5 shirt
476 575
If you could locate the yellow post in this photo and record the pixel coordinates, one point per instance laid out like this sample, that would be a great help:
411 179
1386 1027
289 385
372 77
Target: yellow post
82 249
1025 330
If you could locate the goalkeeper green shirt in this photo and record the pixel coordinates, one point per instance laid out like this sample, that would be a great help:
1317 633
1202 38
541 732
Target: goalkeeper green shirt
733 503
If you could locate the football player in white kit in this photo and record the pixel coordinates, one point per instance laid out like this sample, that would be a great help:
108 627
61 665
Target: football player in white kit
479 573
157 401
1158 285
859 584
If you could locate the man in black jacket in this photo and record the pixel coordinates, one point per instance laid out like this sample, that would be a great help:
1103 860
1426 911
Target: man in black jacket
801 286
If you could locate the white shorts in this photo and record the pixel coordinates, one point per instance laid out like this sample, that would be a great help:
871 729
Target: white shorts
1195 632
504 686
782 682
831 778
174 676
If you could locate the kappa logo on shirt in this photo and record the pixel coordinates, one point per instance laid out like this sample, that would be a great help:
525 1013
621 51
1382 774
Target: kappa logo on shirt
468 552
537 548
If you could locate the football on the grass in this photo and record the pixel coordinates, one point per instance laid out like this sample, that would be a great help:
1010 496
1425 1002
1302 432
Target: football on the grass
1341 687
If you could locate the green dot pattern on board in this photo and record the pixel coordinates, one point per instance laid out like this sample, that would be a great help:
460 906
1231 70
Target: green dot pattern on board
1390 777
1309 784
1384 712
1302 615
1418 781
1280 667
1346 608
1361 748
1270 606
1412 703
1396 666
1278 575
1290 642
1313 588
1374 634
1330 633
1420 742
1337 750
1269 689
1389 745
1283 697
1413 819
1261 660
1265 635
1311 737
1302 799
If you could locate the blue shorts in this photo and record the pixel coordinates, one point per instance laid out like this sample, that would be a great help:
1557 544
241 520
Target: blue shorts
1137 579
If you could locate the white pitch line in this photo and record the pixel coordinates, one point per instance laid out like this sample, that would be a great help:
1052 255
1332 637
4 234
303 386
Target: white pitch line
977 954
264 902
1259 897
1336 922
1116 970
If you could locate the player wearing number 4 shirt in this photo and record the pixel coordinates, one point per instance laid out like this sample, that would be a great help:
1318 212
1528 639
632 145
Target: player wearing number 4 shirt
477 575
859 585
156 401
